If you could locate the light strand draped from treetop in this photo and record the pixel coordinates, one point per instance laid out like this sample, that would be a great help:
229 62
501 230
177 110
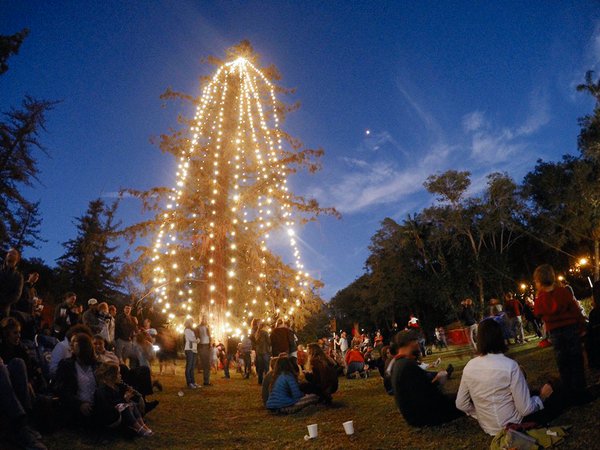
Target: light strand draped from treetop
211 255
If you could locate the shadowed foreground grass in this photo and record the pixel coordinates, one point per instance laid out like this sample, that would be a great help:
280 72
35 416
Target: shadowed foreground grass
230 415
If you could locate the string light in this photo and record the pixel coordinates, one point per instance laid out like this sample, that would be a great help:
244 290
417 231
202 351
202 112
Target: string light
234 161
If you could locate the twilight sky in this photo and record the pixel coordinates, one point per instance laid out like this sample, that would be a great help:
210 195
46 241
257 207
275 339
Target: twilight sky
479 86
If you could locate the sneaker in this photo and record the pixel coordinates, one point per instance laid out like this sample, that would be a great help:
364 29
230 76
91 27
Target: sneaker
437 362
206 384
157 384
192 386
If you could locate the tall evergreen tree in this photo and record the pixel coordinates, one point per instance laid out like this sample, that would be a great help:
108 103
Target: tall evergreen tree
88 265
19 133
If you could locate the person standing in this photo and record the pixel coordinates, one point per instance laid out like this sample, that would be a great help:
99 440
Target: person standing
230 351
246 350
343 343
565 324
11 282
91 316
280 339
28 295
467 317
191 351
204 350
514 311
124 330
62 318
263 351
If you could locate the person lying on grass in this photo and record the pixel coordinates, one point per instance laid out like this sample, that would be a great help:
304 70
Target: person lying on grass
417 395
285 396
493 388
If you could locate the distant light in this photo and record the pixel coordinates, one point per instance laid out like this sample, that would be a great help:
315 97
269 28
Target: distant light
367 132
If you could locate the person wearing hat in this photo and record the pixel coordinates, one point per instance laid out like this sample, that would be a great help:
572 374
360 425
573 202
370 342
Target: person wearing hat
90 317
417 396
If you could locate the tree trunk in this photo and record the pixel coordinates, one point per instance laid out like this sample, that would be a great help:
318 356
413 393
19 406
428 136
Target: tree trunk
481 293
596 260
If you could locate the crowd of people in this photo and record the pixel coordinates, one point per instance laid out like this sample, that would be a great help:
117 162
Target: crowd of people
92 366
89 368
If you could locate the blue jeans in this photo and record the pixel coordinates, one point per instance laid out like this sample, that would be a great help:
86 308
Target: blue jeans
190 364
228 359
355 366
569 358
262 365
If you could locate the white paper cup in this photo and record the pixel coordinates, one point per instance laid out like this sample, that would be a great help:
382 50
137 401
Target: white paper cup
349 427
312 431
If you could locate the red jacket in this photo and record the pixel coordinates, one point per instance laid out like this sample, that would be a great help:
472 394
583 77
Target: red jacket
558 309
354 356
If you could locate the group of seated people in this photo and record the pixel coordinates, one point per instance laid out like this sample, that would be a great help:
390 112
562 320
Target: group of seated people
288 387
87 385
493 388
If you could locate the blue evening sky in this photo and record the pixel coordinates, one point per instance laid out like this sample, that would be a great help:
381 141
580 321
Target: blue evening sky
479 86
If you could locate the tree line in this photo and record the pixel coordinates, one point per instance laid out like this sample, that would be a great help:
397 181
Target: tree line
481 245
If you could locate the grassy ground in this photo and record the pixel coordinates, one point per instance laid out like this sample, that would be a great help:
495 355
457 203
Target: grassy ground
230 415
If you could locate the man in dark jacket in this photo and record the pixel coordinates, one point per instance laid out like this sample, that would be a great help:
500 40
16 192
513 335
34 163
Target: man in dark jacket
417 396
11 282
62 315
282 340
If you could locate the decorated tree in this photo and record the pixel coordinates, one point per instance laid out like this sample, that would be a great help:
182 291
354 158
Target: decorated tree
215 232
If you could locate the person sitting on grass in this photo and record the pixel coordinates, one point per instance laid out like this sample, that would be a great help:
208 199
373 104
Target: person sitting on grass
117 404
417 396
16 404
139 378
285 396
268 378
75 382
493 387
321 378
355 363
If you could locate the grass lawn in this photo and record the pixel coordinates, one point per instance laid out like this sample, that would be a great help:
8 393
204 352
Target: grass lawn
230 415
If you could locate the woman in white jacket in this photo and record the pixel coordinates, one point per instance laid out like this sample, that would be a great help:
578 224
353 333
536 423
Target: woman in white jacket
191 352
493 388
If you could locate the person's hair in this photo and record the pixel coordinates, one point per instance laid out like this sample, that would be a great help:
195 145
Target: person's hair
273 362
284 365
76 329
86 349
107 372
69 295
188 323
490 338
102 305
278 323
8 324
99 337
545 275
316 353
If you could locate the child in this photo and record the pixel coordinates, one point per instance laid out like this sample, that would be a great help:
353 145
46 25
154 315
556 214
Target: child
285 396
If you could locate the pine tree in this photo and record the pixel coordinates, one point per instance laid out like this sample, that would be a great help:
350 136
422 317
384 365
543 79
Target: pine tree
19 131
213 254
88 265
